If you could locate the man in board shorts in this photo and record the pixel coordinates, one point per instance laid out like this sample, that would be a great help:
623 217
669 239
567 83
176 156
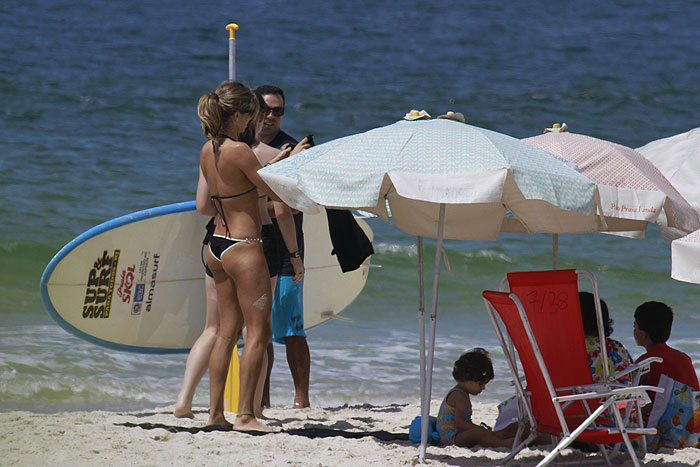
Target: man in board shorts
287 310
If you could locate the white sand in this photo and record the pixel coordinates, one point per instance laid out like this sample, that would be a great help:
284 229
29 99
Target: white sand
98 438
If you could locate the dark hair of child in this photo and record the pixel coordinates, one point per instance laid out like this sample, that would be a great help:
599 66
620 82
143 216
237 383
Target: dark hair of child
588 316
656 319
474 365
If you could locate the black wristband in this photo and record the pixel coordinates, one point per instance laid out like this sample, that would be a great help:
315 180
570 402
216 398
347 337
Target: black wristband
296 254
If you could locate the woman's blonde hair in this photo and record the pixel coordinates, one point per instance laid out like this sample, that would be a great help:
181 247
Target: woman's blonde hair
216 107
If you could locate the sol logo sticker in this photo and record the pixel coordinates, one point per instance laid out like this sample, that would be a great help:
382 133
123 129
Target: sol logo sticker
126 281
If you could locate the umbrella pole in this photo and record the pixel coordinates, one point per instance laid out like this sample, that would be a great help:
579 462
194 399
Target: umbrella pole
232 28
421 333
425 401
421 315
555 250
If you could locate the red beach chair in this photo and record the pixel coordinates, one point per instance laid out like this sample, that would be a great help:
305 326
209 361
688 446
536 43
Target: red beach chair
542 318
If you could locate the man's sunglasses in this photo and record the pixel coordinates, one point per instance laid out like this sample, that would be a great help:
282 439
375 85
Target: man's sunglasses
276 111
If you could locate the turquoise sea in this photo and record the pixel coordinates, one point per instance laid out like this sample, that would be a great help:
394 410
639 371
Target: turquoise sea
98 119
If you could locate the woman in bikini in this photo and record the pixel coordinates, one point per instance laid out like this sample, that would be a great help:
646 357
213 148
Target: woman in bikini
235 251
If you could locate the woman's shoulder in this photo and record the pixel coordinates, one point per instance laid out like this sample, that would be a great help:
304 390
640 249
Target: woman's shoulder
234 146
235 152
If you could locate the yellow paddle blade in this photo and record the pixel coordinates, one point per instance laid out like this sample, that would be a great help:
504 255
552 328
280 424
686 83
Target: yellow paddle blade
232 384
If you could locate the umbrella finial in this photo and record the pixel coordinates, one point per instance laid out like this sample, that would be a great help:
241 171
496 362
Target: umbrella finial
232 28
416 115
556 128
456 116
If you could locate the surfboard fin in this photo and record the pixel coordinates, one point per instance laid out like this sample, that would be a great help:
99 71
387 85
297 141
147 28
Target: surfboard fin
329 314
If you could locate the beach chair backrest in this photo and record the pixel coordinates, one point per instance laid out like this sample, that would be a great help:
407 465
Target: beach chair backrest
551 303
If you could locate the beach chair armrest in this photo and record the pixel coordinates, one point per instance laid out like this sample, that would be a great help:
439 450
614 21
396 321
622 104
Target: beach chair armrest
595 387
643 367
621 393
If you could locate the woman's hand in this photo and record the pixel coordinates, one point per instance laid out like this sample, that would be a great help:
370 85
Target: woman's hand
299 269
283 154
290 151
303 144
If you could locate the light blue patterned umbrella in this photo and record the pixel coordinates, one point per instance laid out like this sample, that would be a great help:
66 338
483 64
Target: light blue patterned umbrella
443 179
488 182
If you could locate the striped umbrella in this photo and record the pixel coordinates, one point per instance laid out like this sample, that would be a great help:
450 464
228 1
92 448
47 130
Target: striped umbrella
633 192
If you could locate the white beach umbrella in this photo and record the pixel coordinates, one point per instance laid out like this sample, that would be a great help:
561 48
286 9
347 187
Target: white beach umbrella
678 158
441 179
685 258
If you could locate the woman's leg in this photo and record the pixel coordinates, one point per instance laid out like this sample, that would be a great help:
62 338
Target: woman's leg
198 359
261 382
230 324
265 400
247 265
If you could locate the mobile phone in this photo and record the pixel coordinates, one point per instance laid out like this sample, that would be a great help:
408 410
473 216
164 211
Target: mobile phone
310 140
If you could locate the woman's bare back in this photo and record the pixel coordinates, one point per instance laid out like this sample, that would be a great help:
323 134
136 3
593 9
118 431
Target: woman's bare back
234 194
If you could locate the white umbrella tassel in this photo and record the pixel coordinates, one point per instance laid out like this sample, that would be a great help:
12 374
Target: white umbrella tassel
425 401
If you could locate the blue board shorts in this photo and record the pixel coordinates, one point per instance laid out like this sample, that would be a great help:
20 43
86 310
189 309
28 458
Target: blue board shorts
287 309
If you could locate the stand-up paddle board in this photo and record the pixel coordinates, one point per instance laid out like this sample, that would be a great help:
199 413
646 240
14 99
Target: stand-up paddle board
136 283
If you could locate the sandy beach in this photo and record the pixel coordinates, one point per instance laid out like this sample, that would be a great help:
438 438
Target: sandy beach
336 436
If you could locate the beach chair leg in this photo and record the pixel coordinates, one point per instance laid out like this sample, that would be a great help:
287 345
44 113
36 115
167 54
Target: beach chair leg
518 447
518 433
625 436
604 452
563 444
640 424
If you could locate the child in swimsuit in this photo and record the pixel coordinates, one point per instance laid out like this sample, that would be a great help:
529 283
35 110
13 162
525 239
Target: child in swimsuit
472 372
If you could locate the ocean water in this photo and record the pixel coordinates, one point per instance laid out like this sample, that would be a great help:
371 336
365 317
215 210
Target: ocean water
98 119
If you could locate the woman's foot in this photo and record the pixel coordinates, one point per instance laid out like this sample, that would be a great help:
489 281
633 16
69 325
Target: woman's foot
183 412
301 404
218 420
248 422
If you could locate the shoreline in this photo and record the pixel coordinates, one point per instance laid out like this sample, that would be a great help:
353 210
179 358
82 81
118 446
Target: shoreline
338 436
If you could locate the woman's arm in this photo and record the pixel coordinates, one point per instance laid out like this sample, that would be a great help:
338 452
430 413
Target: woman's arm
285 221
268 155
203 198
249 165
242 158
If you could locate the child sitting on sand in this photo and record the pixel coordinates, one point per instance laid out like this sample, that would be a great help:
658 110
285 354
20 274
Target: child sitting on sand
472 372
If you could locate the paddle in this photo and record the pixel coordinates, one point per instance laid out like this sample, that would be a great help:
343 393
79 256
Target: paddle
231 390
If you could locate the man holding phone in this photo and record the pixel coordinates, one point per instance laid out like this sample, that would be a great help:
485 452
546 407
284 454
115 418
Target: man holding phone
287 310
